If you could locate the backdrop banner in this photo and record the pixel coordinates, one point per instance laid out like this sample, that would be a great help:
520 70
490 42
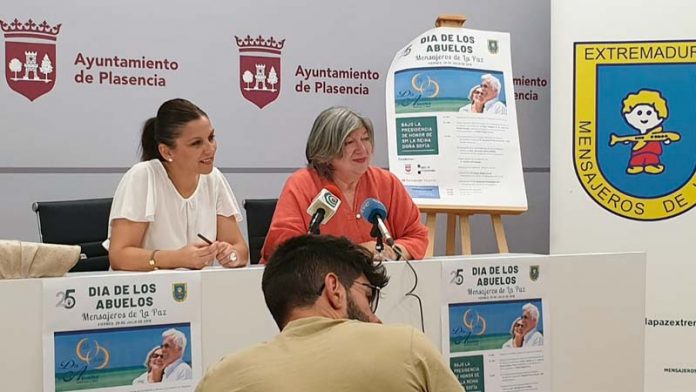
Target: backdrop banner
81 78
623 155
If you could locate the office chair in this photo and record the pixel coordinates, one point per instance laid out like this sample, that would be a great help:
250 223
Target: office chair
258 215
77 222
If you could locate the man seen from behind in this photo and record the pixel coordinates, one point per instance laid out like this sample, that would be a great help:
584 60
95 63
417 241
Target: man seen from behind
322 292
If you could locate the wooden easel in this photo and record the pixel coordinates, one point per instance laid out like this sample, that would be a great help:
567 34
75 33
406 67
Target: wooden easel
462 213
450 21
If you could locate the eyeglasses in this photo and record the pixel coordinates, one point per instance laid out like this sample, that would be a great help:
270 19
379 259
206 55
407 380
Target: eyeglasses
374 295
155 356
477 93
518 325
373 298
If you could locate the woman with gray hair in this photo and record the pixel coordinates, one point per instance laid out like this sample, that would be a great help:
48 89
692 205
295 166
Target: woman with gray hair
476 100
339 152
516 334
154 364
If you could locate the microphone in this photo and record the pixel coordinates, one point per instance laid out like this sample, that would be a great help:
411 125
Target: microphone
376 213
323 208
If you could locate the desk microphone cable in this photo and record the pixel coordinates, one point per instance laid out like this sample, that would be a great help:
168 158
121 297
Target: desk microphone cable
411 292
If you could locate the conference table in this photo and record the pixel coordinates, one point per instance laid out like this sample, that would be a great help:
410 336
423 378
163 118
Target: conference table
595 305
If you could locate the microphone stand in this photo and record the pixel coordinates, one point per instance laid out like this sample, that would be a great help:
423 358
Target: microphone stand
377 234
316 222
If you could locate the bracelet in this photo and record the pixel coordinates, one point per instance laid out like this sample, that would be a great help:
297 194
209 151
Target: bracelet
152 260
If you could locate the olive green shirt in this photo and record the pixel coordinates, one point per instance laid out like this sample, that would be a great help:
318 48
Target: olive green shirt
322 354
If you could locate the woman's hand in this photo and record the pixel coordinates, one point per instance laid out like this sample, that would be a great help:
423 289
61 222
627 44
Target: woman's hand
388 253
197 256
228 256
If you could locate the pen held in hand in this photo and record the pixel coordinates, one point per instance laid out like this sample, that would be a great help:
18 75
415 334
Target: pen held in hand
205 239
233 255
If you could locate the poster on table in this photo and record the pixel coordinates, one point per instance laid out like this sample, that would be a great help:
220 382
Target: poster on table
122 332
495 326
451 120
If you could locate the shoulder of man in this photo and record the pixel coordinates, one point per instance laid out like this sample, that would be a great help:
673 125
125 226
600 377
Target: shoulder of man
222 372
435 372
396 335
383 328
417 351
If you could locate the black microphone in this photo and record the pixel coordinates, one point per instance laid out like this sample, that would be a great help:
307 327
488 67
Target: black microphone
376 213
323 208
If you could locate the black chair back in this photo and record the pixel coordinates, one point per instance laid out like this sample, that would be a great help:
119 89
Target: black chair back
259 213
77 222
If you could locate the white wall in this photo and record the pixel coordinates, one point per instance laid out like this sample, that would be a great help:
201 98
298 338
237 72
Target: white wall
578 223
76 140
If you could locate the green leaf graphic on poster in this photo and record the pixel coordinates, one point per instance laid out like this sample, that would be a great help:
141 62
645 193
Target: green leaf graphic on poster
469 372
416 136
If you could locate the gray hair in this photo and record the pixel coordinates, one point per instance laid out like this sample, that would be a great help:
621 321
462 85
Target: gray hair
471 92
177 336
495 82
329 132
149 354
532 309
512 326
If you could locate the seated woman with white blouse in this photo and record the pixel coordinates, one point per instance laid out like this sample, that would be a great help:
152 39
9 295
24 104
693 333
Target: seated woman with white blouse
173 197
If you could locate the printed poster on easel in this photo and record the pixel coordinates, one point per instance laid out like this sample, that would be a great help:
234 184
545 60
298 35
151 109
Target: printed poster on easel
495 325
122 332
452 122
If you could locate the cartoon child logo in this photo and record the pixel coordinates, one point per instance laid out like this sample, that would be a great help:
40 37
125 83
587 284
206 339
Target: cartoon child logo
634 129
645 111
